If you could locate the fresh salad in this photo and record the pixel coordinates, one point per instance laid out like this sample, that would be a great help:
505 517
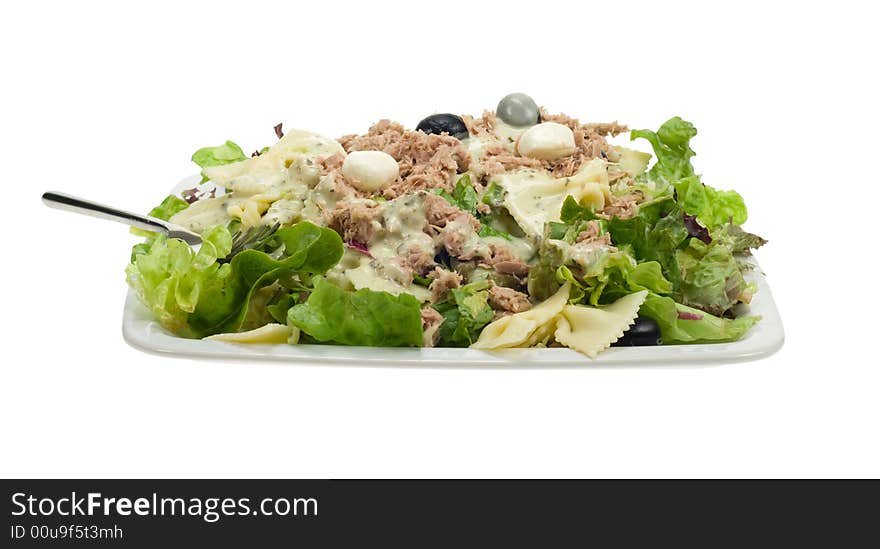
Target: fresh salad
517 228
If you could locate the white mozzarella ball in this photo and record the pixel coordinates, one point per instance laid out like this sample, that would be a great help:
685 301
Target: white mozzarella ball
369 171
546 141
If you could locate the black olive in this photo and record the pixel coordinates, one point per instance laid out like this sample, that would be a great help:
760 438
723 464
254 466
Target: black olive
444 123
644 332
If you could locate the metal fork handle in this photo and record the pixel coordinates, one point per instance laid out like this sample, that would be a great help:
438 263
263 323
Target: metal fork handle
63 201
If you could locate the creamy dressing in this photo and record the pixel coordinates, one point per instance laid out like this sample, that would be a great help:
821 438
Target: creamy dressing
473 245
206 213
397 228
373 274
508 134
523 249
587 255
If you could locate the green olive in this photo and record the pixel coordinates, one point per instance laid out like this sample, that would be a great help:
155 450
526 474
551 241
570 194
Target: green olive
518 109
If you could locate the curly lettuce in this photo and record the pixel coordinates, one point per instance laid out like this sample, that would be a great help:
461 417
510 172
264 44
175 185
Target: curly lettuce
465 312
711 277
671 144
168 276
712 207
195 294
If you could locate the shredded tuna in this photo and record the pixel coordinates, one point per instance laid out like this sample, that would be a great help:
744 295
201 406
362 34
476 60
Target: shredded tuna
418 259
443 282
623 207
454 242
355 221
483 127
439 212
508 299
606 128
499 159
591 234
484 208
330 163
513 267
431 321
505 263
341 187
615 174
427 161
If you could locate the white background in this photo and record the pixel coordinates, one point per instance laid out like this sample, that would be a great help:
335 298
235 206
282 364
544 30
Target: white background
108 100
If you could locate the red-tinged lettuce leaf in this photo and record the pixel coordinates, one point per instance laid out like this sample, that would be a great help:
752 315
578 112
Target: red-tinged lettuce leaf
738 240
696 230
711 277
682 324
712 207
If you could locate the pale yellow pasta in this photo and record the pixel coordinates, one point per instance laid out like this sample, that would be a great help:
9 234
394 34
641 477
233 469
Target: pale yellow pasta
250 211
534 198
542 334
270 333
515 330
591 330
276 160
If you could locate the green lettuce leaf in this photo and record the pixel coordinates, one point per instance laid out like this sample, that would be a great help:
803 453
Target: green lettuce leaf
465 312
575 218
194 295
168 277
494 195
309 250
278 309
226 153
648 276
738 240
170 206
165 211
487 230
579 289
682 324
711 277
542 279
364 317
572 211
712 207
463 195
671 144
655 234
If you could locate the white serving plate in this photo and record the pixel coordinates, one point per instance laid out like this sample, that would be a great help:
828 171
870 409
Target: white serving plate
764 339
